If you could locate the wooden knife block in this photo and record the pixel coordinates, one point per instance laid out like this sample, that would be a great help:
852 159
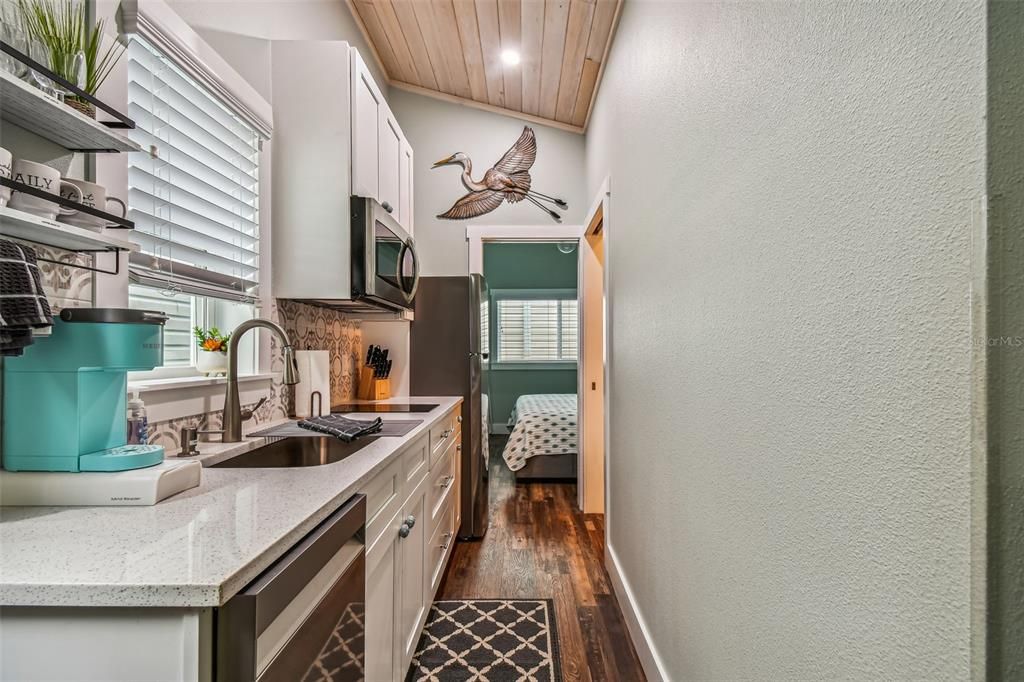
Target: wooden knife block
371 388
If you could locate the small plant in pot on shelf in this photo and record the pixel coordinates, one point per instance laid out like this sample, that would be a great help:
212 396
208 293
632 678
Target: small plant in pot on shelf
73 45
213 351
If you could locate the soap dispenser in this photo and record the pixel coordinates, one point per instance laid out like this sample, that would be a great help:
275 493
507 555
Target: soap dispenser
138 424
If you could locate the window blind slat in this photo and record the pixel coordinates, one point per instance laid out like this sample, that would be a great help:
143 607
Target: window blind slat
147 64
186 117
148 133
182 253
147 224
156 217
177 186
239 198
167 124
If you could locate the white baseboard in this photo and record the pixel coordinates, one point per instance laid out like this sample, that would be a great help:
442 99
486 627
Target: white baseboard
652 664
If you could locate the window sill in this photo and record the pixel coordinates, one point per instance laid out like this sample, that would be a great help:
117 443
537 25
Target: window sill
178 397
531 366
177 383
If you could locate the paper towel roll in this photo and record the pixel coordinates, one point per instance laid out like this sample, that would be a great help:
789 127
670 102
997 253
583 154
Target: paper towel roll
314 375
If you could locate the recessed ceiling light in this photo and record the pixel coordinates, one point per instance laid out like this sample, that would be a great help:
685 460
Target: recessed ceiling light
510 57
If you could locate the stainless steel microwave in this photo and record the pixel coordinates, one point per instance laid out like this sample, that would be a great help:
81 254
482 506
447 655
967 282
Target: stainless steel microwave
385 266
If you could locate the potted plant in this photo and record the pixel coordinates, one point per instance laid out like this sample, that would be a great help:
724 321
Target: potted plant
213 351
73 45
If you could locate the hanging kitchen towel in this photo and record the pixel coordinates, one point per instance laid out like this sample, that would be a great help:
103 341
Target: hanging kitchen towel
342 427
23 304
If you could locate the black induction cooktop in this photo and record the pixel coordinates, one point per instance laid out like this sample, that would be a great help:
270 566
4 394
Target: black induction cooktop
393 407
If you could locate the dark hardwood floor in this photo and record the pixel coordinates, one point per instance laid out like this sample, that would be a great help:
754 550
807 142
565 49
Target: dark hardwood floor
539 545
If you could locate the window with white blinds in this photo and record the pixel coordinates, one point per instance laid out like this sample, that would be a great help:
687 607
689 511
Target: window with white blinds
194 195
537 329
178 307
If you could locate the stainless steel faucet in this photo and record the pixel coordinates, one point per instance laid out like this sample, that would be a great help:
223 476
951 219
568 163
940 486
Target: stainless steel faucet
234 415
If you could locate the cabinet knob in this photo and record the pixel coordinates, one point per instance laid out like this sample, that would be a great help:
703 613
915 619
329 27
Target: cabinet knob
403 531
460 418
387 207
447 541
459 447
410 521
446 482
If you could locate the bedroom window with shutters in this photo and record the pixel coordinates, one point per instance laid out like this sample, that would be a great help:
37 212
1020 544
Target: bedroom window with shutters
539 327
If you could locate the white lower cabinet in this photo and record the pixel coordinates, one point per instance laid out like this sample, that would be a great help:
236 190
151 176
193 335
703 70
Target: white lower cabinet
381 589
413 601
405 561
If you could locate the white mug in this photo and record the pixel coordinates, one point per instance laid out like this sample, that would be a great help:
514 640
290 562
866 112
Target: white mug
94 196
5 171
47 179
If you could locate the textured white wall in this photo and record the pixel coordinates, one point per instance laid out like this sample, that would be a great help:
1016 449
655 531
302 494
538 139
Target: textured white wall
790 267
437 129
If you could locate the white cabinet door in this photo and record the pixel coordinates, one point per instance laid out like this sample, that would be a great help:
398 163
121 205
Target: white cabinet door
405 203
390 161
381 593
367 104
413 561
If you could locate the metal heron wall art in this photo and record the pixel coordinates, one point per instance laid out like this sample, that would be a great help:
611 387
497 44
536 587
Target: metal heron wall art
509 180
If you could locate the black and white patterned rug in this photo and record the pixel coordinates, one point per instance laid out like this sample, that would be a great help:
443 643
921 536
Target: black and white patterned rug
490 640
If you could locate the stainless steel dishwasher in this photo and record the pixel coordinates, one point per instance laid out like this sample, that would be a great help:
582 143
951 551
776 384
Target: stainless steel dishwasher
302 618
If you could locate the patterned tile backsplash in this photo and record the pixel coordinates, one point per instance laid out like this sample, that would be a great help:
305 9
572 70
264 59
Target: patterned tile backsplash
309 327
65 286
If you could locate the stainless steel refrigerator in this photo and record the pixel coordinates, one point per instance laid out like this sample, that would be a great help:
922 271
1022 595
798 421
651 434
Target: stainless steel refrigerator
446 358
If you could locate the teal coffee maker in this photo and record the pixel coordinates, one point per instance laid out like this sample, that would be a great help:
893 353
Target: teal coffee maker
64 400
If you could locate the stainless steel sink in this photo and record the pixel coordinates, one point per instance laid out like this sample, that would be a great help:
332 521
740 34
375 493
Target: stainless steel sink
305 451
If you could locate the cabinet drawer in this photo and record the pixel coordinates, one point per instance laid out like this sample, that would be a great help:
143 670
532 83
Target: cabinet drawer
383 498
443 433
439 547
442 484
414 464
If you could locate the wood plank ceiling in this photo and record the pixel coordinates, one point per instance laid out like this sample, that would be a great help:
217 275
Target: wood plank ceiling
452 49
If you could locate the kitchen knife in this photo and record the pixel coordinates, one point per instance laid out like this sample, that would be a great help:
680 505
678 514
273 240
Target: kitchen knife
369 355
387 370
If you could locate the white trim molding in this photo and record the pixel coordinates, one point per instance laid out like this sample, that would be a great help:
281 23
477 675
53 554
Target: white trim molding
476 235
650 661
157 22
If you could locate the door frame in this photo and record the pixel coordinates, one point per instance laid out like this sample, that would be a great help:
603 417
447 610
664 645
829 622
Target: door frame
478 235
598 214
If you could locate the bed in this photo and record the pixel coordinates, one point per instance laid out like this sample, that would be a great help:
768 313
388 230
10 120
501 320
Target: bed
543 440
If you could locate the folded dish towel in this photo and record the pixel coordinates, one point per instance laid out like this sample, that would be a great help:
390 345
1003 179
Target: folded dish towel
342 427
23 304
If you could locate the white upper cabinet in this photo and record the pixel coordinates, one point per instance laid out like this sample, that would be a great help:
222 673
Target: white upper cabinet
368 121
390 148
405 215
334 137
381 156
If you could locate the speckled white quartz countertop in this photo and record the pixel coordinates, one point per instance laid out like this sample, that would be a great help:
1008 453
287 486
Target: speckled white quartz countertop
195 549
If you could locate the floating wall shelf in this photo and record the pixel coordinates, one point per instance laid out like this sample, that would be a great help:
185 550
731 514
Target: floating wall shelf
31 228
27 107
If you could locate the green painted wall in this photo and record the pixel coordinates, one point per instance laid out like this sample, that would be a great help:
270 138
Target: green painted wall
526 266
